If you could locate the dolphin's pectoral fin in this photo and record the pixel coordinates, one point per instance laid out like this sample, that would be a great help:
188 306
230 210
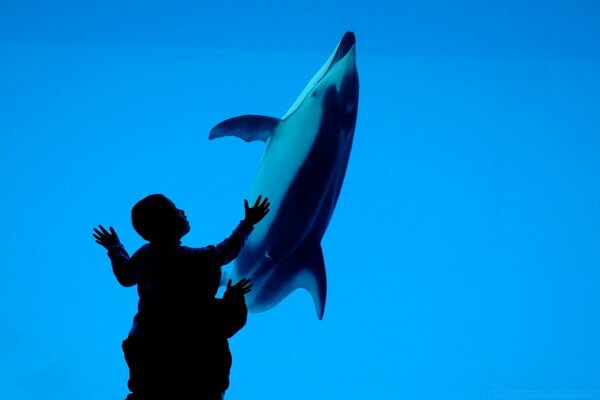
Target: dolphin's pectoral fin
246 127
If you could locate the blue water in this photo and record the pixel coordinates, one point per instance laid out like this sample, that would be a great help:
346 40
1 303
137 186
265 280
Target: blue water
462 258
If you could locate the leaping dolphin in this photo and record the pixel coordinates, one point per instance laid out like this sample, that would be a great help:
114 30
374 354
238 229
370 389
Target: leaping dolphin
301 171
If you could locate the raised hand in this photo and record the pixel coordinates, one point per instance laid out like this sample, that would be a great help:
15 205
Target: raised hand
258 211
240 289
105 238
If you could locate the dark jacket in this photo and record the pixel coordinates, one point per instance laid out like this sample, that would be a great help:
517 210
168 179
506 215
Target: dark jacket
179 335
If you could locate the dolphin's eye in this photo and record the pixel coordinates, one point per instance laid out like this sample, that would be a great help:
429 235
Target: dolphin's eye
314 93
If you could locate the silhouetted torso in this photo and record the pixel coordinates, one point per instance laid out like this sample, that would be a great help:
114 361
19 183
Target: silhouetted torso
178 343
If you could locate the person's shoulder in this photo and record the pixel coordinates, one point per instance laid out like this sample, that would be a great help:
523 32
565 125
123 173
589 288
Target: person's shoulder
141 253
196 250
142 250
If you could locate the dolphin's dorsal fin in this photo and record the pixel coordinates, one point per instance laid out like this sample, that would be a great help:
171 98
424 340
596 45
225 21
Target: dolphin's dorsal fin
246 127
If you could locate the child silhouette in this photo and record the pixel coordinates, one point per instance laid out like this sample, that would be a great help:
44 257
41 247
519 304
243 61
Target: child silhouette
177 346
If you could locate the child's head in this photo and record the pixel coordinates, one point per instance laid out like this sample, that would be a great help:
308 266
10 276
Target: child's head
157 220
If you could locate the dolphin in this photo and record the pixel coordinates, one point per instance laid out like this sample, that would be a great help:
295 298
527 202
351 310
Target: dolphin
301 171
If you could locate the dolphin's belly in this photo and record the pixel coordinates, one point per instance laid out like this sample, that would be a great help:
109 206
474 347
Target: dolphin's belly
285 157
303 197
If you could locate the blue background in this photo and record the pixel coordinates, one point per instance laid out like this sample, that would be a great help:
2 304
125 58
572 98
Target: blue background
462 258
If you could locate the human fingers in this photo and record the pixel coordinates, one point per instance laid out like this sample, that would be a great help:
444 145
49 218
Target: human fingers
104 231
241 283
257 201
247 288
265 202
264 212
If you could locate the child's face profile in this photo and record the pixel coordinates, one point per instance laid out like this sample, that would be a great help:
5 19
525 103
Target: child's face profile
181 222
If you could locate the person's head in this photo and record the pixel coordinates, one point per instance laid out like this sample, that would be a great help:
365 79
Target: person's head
158 220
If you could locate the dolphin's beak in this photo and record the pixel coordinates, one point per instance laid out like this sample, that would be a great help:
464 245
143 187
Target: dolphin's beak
346 44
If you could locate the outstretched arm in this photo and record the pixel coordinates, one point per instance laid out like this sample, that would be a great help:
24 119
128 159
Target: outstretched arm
236 312
125 274
230 248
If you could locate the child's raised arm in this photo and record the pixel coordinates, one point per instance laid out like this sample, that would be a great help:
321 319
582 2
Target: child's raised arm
230 248
106 239
125 273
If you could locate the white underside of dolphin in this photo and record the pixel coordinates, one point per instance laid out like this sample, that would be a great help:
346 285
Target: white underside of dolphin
301 172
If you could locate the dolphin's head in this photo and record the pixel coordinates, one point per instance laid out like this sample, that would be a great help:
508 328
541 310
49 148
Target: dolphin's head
340 72
345 46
